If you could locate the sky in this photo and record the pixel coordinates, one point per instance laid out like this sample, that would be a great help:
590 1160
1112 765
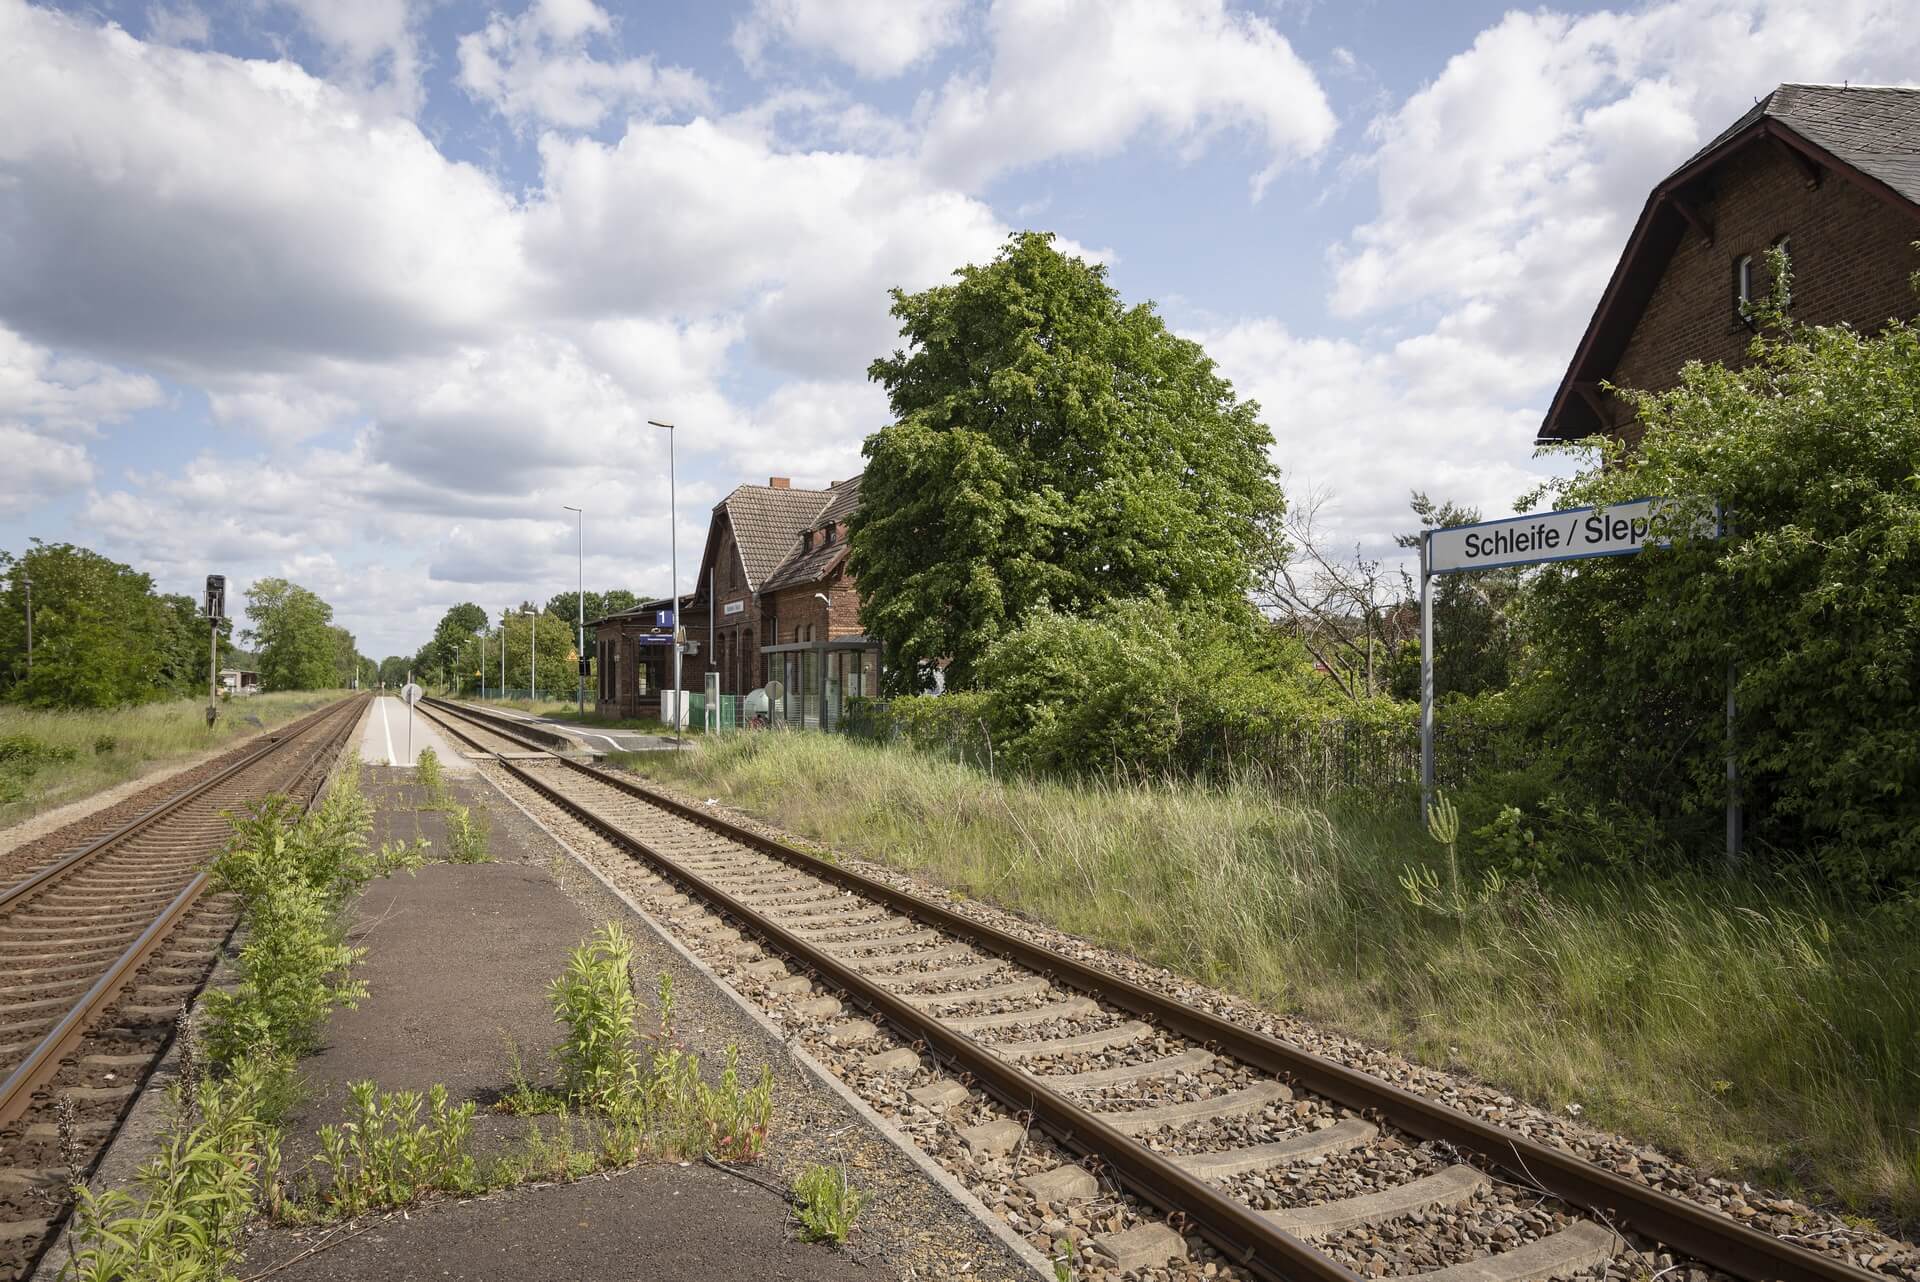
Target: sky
365 292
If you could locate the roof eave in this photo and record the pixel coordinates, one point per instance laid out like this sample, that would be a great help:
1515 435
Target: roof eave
1565 402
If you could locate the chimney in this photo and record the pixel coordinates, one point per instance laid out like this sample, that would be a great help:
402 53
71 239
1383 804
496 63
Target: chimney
779 482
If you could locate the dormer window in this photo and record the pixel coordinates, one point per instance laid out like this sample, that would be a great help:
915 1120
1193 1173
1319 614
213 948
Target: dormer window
826 536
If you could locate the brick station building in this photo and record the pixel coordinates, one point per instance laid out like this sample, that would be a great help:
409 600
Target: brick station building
773 601
1831 174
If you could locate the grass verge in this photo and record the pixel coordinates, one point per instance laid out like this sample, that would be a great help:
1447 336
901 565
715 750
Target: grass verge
1765 1030
62 756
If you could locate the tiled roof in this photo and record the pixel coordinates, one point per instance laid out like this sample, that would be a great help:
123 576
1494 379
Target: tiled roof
1874 128
810 565
1870 131
846 500
767 523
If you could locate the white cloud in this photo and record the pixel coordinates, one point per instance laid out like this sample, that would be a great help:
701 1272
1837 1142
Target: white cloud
538 68
193 211
1084 78
38 468
373 48
181 24
877 38
68 394
1367 427
702 218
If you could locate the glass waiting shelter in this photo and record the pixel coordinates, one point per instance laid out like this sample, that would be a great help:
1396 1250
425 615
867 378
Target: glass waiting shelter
819 677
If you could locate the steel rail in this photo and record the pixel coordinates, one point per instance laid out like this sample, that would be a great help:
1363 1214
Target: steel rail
1685 1226
1242 1234
16 1091
67 863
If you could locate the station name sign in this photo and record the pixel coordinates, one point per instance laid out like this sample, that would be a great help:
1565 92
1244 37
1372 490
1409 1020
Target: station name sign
1620 529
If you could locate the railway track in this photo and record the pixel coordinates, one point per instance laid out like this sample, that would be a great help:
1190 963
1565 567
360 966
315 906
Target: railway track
100 949
1288 1164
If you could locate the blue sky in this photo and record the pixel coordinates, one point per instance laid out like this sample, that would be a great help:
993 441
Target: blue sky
362 291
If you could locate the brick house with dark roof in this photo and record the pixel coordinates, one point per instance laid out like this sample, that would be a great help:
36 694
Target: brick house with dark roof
1830 173
772 553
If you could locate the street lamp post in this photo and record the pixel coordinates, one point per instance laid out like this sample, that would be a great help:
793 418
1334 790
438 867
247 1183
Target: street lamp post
504 615
580 624
673 551
533 654
28 580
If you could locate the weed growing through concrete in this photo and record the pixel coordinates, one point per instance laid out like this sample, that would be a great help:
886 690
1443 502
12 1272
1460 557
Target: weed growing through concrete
384 1156
659 1102
826 1204
193 1196
433 782
467 833
220 1152
293 876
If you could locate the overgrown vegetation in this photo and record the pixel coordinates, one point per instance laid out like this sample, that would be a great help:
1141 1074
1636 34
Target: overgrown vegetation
384 1155
1809 603
1761 1025
825 1203
653 1099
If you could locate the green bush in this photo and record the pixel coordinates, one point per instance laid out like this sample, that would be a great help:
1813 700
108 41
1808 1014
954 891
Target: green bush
292 874
1811 601
1143 686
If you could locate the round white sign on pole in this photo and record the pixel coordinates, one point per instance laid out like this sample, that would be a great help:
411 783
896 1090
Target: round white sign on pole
411 693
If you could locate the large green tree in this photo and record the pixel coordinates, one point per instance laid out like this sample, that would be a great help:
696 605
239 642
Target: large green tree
1053 447
554 646
1811 601
291 627
456 627
101 636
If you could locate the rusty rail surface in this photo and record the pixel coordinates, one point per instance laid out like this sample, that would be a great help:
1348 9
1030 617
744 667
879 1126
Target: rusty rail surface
16 1091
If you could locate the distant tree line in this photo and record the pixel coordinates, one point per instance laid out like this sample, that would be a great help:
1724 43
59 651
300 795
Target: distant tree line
103 636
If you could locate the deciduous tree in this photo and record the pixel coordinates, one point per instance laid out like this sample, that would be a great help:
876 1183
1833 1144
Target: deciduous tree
291 627
1051 446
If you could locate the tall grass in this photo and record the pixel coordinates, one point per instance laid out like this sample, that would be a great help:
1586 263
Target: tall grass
110 746
1761 1029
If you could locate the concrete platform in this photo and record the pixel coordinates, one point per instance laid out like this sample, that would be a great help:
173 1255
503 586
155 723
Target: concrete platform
384 738
457 966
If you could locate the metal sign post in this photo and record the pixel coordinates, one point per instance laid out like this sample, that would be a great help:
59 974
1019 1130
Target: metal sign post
1572 534
411 693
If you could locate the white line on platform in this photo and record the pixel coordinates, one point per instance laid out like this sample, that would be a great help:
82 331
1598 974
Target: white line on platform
386 730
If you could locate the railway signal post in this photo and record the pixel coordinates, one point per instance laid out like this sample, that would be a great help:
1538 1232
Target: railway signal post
216 610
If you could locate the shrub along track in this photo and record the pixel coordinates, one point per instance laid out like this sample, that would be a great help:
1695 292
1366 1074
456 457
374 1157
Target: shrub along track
1069 1083
101 949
